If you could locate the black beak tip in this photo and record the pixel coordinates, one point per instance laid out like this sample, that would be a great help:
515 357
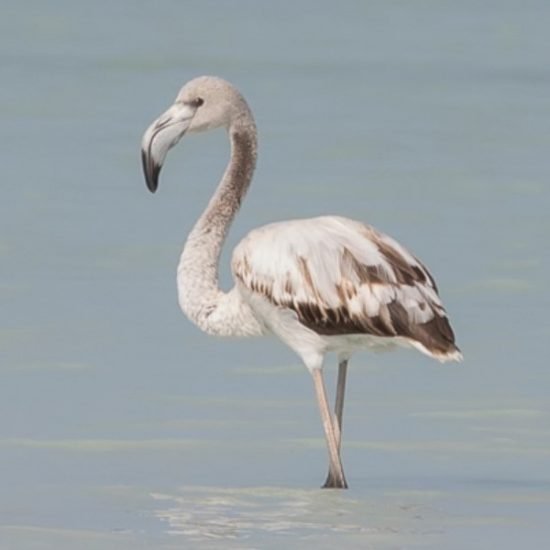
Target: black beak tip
152 179
151 171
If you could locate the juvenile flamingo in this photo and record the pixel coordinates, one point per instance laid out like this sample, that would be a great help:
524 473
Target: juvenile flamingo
325 284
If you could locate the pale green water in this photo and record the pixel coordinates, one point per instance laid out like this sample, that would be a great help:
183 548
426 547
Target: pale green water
121 426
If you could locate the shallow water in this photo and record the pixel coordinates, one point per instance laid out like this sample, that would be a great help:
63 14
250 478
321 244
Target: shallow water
122 426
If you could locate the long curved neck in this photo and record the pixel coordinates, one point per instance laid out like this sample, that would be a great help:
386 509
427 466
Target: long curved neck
199 295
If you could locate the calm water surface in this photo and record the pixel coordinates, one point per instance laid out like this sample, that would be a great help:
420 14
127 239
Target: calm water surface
122 426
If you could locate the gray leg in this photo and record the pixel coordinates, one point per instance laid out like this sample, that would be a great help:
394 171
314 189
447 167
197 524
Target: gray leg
338 411
340 391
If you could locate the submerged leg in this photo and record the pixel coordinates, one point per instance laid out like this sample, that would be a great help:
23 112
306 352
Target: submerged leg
339 412
336 471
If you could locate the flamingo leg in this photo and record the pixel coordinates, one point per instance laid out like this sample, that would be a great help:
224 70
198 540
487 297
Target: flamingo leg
340 391
339 412
332 434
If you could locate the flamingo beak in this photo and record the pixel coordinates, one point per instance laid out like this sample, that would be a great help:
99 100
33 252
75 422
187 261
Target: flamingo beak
160 137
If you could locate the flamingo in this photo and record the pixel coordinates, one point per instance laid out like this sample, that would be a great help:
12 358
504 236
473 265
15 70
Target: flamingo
324 284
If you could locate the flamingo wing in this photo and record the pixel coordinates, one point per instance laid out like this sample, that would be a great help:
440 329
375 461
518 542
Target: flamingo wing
340 277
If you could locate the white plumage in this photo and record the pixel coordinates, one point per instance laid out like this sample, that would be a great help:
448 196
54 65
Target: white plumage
321 284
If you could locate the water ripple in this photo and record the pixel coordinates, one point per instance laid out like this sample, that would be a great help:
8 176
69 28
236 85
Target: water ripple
201 514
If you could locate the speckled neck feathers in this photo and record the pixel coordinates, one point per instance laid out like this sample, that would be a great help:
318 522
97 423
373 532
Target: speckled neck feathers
226 201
